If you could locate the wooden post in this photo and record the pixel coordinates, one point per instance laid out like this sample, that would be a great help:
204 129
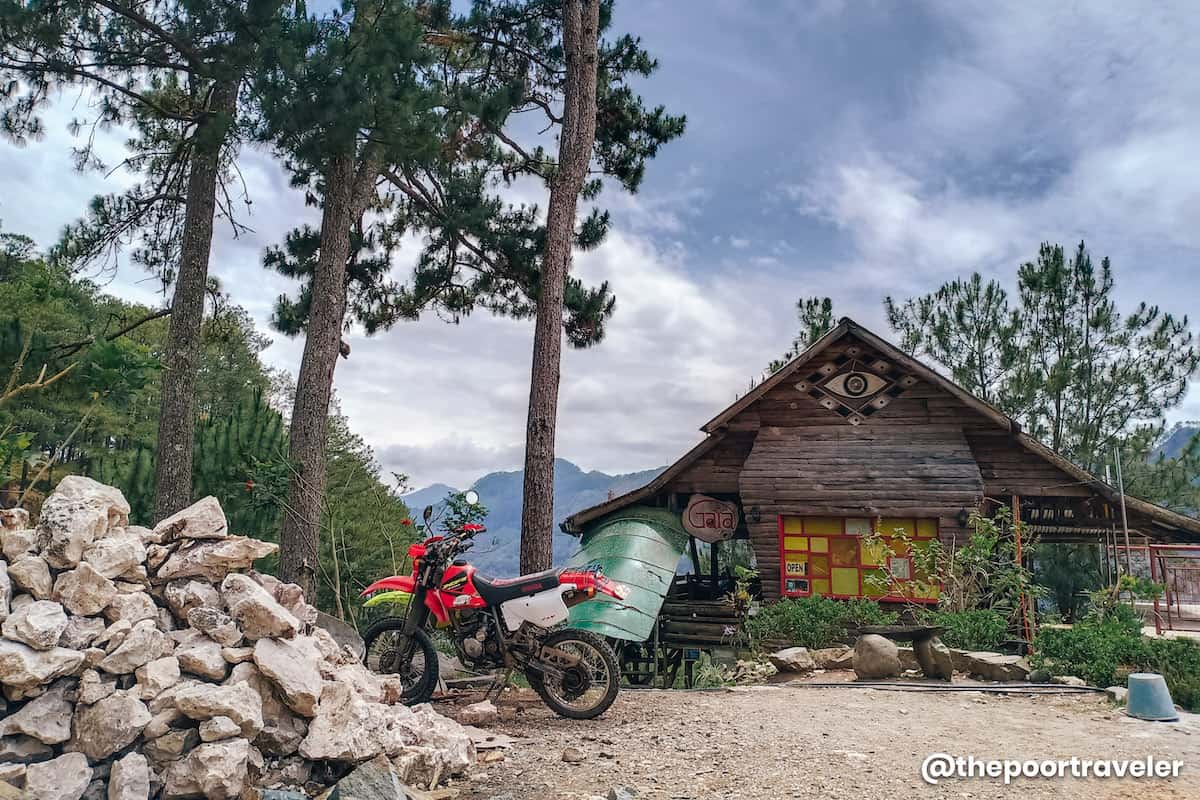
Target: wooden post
1026 630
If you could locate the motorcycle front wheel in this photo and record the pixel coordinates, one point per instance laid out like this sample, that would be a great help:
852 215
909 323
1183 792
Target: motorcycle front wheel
414 659
588 688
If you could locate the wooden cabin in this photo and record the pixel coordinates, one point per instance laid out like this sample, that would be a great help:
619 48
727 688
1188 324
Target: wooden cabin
854 436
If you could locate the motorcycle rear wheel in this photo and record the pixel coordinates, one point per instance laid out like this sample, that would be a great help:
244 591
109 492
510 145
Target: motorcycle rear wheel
587 690
416 662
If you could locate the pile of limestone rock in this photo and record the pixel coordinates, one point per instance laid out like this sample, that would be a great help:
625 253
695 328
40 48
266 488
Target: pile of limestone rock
140 663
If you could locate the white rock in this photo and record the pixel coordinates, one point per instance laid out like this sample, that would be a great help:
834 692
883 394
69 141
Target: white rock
876 657
62 778
46 718
133 607
109 498
39 624
156 554
184 595
218 728
13 519
349 728
94 687
156 676
282 730
481 713
12 773
32 574
113 556
108 725
171 746
450 739
129 778
5 591
257 613
216 771
292 666
113 635
17 543
237 655
84 591
144 643
216 559
239 701
203 519
200 655
23 668
219 626
81 632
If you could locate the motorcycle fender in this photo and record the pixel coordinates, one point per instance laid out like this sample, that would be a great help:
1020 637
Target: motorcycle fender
544 609
402 583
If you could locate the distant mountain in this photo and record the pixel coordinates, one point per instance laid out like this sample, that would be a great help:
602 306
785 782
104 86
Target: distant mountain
497 552
1177 439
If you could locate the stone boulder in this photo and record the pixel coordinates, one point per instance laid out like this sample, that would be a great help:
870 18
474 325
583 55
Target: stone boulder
22 668
793 659
481 713
200 655
84 591
39 624
254 609
833 658
995 667
46 718
108 725
144 643
62 778
934 658
81 632
115 555
155 677
282 729
17 543
348 728
129 778
376 779
183 595
213 560
876 657
215 771
13 519
203 519
31 573
132 607
219 626
292 667
239 702
78 488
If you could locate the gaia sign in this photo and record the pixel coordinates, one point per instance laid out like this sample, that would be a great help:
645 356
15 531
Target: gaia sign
710 519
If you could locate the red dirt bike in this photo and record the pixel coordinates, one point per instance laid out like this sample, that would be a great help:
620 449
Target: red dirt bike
513 623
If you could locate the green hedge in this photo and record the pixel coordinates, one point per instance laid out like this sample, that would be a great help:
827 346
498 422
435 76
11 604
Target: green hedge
1104 651
975 629
815 622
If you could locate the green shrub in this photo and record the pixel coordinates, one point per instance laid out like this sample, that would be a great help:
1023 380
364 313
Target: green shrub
975 629
815 622
1104 650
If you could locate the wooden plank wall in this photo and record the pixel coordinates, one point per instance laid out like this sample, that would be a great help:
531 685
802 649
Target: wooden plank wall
1008 468
842 470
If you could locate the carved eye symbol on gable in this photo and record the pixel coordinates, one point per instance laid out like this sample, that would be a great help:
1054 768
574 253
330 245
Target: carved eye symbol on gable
855 385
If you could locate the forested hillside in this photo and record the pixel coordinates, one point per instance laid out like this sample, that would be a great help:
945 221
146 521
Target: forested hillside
80 374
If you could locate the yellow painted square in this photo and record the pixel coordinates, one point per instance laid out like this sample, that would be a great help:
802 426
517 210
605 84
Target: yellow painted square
793 525
818 544
898 546
927 528
827 525
858 527
844 581
871 553
819 566
795 543
877 587
844 552
820 586
889 526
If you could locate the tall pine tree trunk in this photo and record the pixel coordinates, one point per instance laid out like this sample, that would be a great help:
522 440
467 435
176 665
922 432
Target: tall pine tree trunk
581 23
346 195
176 420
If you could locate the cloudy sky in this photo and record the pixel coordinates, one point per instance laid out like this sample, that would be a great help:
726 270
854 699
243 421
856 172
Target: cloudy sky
854 149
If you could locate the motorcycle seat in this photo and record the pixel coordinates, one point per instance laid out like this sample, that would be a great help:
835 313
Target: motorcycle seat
500 590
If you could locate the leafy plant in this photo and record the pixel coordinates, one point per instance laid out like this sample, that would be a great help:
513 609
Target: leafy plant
815 622
970 629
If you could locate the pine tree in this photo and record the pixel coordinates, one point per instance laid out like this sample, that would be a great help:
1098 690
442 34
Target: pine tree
816 319
174 71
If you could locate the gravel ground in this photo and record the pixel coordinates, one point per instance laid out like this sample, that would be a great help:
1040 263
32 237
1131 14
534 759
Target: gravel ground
786 741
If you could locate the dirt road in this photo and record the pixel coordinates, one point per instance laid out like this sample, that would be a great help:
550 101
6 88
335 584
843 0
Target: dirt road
785 741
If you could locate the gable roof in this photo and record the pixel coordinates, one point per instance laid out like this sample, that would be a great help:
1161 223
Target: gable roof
715 430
